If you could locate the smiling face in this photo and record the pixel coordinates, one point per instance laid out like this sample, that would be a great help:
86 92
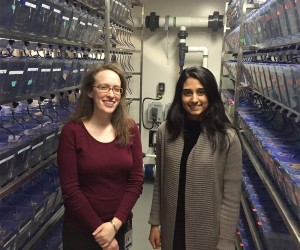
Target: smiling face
106 102
194 99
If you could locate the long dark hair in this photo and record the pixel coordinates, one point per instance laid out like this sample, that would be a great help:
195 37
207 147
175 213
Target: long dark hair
85 106
213 119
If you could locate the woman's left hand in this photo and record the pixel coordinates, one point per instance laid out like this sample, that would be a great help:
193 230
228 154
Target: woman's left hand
112 246
104 234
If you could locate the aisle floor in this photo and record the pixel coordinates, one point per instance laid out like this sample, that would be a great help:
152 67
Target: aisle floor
140 219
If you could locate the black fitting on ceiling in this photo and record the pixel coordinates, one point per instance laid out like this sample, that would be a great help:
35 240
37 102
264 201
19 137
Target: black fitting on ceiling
182 50
152 21
182 34
215 21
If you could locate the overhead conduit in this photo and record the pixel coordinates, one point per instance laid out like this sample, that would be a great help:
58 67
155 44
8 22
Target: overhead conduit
213 22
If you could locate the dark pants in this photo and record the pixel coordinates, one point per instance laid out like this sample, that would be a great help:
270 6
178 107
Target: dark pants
74 239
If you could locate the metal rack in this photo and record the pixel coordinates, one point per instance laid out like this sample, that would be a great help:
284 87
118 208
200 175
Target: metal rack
43 230
289 220
284 211
251 223
20 180
107 48
37 94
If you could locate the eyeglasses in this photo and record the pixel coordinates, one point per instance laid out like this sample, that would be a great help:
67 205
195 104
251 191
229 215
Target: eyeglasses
105 88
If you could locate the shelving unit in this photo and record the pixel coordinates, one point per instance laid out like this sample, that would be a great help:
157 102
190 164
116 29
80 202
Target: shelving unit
111 49
63 46
240 77
20 180
251 223
52 221
284 211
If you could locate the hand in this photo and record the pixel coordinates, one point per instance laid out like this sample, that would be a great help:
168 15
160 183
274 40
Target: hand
154 237
112 246
104 234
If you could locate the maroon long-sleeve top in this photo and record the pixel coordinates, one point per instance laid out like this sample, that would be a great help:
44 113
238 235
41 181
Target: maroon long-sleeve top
98 180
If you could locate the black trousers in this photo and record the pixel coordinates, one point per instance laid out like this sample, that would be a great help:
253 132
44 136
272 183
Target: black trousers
74 239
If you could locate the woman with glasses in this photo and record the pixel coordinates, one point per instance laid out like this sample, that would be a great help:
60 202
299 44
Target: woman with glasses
197 189
100 164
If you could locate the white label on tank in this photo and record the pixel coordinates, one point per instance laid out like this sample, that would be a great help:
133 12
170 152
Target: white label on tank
57 11
24 228
50 136
37 145
32 69
56 69
3 71
23 149
75 18
31 5
45 6
9 242
6 159
66 18
16 72
45 70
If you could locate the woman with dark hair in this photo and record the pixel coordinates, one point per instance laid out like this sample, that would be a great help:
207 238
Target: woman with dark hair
100 164
197 189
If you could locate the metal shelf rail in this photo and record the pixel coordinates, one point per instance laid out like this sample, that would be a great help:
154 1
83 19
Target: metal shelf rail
52 221
290 110
36 95
243 11
251 223
20 180
232 106
284 211
23 36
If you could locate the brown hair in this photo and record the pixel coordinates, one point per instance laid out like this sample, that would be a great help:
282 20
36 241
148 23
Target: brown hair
85 107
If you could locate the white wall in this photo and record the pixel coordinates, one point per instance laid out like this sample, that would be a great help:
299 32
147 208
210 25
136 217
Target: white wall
160 58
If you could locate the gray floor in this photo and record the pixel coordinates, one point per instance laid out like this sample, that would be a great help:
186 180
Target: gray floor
140 219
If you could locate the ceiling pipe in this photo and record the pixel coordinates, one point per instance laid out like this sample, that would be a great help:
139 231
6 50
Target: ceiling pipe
204 51
182 34
183 49
154 21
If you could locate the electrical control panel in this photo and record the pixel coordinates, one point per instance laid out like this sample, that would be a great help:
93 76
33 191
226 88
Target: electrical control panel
155 112
160 88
